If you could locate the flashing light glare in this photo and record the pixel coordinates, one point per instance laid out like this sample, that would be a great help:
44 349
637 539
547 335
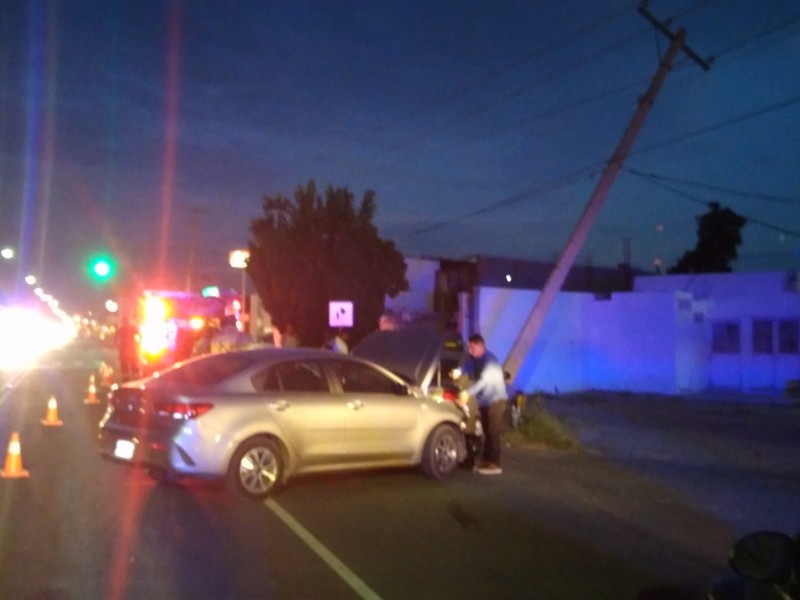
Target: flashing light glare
197 323
7 253
111 306
26 335
153 338
237 306
30 280
211 291
508 278
154 330
155 309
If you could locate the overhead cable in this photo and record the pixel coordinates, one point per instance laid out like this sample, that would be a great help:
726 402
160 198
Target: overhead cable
708 203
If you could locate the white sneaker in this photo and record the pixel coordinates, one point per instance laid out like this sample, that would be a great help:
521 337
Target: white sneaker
490 469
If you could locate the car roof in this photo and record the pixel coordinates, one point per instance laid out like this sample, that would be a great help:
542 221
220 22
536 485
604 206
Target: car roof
231 365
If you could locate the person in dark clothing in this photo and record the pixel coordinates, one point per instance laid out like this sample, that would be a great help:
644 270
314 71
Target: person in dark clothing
127 342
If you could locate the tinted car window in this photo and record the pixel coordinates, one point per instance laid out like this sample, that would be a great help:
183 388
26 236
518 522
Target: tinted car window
295 376
356 377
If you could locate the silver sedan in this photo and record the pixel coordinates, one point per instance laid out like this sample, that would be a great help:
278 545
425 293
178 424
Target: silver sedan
259 417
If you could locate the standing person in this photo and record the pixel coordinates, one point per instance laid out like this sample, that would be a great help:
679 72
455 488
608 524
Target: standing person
289 337
489 389
229 338
126 339
338 343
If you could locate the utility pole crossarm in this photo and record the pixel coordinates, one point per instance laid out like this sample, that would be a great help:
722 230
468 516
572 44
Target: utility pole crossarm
704 64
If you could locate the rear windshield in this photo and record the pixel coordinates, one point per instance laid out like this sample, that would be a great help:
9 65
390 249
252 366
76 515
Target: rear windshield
205 372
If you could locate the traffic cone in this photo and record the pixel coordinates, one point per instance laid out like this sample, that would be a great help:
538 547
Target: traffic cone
51 416
106 374
13 466
91 393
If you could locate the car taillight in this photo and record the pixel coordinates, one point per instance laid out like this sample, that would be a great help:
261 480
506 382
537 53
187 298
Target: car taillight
182 411
449 395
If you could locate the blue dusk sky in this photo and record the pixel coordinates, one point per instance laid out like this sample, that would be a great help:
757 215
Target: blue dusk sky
153 130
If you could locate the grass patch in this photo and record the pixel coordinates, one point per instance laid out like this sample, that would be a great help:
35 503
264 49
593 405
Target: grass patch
538 428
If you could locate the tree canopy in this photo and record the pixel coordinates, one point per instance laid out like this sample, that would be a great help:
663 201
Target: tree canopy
315 249
719 233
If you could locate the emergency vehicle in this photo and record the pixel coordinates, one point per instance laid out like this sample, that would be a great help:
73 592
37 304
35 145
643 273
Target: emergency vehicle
171 323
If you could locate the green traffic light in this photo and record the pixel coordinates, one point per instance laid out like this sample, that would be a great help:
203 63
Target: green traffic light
101 269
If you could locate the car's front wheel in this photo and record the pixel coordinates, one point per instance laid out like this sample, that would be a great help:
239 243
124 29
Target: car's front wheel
256 468
440 456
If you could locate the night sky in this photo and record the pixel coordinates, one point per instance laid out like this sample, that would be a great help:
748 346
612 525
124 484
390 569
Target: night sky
152 128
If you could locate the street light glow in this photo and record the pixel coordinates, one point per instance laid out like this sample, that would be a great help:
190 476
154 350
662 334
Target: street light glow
238 258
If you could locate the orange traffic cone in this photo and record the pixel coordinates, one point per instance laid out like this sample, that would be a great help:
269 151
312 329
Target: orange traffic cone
106 374
13 466
91 393
51 417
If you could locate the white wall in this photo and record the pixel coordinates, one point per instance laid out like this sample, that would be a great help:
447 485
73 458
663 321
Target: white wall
741 298
657 338
630 342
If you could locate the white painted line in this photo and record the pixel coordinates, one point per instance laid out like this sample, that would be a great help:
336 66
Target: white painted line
350 578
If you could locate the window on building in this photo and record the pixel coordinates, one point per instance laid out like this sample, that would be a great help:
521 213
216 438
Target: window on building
789 336
762 336
726 337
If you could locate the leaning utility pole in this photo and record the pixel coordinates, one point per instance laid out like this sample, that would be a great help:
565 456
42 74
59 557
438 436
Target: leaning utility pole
530 330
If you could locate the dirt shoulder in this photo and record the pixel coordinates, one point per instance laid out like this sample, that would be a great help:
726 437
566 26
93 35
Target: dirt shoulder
735 457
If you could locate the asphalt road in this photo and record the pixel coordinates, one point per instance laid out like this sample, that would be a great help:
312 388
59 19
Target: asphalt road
608 522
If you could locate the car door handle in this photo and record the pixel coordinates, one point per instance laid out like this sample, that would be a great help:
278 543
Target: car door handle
355 405
280 405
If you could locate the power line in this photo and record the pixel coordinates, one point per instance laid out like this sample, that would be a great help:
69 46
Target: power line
556 185
512 66
707 203
715 188
732 121
567 180
497 101
756 38
525 121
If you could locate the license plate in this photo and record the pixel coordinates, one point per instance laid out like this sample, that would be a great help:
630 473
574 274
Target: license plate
124 449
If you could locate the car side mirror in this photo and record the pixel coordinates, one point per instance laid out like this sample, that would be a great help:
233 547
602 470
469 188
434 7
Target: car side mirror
765 556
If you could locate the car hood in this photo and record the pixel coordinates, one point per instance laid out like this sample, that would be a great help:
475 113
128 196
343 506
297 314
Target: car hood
413 352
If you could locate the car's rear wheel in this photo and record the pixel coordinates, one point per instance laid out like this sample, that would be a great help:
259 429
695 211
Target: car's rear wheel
440 456
256 468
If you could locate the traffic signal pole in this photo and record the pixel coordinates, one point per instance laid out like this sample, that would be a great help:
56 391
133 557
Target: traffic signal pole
533 324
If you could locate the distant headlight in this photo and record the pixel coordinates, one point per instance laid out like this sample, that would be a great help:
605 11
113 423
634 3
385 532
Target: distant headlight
25 335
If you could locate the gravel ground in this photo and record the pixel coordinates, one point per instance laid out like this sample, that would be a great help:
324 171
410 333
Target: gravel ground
736 456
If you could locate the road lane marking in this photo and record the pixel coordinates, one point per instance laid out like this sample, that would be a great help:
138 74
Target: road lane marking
350 578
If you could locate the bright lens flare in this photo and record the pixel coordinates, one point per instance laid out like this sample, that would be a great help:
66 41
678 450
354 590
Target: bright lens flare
155 330
25 335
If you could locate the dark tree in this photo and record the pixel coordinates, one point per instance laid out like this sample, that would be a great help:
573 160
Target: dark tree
719 233
306 253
